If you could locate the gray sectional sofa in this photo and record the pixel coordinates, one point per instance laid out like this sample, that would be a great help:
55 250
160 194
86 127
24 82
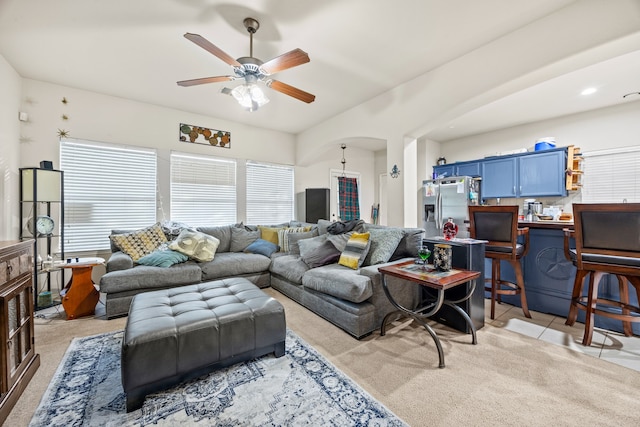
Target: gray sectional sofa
352 299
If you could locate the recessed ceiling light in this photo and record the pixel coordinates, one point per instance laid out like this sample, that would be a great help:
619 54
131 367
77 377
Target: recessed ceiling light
589 91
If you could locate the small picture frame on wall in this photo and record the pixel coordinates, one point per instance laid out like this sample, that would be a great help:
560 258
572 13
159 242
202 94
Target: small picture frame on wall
201 135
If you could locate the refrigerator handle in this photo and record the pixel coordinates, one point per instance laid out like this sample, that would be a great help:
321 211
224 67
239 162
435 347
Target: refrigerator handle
438 210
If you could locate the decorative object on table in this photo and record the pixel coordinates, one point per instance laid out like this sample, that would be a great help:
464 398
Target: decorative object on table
450 229
252 70
395 172
206 136
424 253
442 257
302 387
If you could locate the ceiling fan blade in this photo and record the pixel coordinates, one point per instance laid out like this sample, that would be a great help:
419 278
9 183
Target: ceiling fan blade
211 48
285 61
204 80
291 91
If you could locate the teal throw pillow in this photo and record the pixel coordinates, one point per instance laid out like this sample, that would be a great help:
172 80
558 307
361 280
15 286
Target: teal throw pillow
163 258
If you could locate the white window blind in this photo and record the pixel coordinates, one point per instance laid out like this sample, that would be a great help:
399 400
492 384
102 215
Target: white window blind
105 187
611 176
270 193
203 190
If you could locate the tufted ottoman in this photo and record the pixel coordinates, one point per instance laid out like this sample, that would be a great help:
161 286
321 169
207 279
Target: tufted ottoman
173 335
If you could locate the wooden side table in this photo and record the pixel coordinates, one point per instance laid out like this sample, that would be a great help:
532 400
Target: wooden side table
437 281
80 296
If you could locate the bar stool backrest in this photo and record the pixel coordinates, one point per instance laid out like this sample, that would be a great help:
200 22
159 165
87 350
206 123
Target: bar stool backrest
606 232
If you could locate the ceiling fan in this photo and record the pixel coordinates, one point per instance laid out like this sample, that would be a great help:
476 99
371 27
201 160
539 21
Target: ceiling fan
252 70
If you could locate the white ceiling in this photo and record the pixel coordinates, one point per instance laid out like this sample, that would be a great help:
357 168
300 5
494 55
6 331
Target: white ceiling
358 49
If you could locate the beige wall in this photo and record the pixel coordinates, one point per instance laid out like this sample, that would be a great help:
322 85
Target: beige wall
10 88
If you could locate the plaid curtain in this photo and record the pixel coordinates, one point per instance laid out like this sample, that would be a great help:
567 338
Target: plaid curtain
348 198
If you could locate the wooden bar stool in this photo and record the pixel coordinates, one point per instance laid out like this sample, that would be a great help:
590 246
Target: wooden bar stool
607 241
498 225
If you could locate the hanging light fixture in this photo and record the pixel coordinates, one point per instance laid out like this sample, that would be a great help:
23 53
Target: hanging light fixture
343 161
395 172
249 95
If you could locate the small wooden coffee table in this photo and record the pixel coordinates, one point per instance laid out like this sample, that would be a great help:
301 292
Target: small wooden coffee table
440 281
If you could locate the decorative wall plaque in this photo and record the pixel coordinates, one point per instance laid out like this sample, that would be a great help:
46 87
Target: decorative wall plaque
206 136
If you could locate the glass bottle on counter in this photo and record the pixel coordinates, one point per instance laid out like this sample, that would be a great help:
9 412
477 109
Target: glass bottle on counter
449 229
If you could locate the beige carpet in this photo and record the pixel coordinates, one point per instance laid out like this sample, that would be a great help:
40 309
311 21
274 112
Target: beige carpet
507 379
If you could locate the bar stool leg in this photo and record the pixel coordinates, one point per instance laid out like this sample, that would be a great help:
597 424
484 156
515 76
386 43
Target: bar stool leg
624 299
495 279
578 284
520 282
592 300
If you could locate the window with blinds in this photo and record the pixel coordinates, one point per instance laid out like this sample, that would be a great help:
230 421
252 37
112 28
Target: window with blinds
203 190
270 193
611 176
106 187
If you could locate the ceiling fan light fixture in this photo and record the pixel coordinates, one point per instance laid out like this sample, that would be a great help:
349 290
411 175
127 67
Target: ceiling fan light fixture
250 96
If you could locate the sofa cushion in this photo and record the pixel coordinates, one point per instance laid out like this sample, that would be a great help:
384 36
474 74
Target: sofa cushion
230 264
163 258
222 233
338 281
408 246
384 242
291 267
307 245
241 238
356 250
143 278
320 255
293 239
340 240
196 245
323 224
139 243
262 247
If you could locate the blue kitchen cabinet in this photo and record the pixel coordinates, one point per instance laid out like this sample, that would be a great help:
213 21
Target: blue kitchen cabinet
537 174
542 174
444 170
499 177
472 169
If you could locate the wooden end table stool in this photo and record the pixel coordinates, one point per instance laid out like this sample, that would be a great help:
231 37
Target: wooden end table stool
80 296
440 282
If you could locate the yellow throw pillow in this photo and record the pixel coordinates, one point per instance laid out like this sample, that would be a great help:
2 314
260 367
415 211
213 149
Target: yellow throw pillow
270 234
356 250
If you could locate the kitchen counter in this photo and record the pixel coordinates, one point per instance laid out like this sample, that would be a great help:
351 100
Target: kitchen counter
546 224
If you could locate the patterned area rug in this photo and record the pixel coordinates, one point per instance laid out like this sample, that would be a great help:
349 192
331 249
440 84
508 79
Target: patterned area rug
300 388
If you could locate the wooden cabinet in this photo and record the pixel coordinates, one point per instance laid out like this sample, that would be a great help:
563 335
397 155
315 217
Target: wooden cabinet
472 169
444 170
18 358
537 174
499 178
542 174
459 169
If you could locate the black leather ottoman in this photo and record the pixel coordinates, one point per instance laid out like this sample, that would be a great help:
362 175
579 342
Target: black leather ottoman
174 335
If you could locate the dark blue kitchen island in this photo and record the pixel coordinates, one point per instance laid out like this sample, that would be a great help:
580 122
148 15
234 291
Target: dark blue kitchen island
549 276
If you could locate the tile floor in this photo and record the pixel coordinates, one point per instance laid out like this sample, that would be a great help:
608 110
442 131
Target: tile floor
607 345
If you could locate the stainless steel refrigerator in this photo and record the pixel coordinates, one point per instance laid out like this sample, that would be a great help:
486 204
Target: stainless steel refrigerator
446 198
